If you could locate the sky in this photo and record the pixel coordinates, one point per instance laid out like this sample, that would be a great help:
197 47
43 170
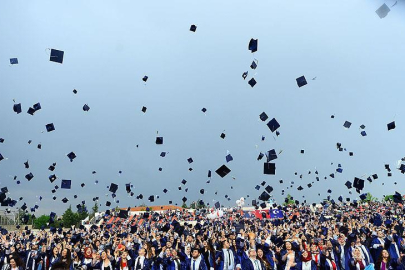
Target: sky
356 57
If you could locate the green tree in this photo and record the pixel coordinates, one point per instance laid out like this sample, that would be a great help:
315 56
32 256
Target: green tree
82 212
41 221
69 218
288 200
389 198
94 209
184 205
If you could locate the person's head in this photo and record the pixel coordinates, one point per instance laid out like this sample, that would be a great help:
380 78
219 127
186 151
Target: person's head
252 253
169 244
174 253
124 254
380 234
34 247
142 252
314 248
260 253
103 255
66 253
288 245
13 263
357 253
195 253
329 245
385 255
225 244
55 251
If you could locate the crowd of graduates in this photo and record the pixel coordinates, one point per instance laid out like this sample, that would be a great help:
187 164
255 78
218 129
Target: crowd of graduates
331 237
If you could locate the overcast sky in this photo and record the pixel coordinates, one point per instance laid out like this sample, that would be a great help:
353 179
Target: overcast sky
357 59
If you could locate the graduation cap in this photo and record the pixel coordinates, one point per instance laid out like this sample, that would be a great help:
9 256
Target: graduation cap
254 64
65 200
144 109
217 205
74 91
145 78
26 165
245 74
151 198
31 111
397 197
190 160
13 61
184 199
358 183
363 196
71 156
252 82
391 125
37 106
52 167
17 108
184 181
348 184
340 199
52 218
108 203
301 81
269 189
382 11
271 155
113 188
347 124
222 135
1 158
193 28
269 168
50 127
159 140
223 171
228 158
253 45
29 176
300 188
52 178
66 184
261 155
263 116
39 146
86 108
363 133
56 56
128 188
264 196
273 125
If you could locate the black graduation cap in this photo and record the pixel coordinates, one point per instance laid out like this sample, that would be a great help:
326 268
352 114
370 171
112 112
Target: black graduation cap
13 61
193 28
202 191
17 108
74 91
184 199
228 158
52 178
301 81
190 160
50 127
145 78
273 125
363 196
252 82
358 183
1 140
397 197
217 205
271 155
245 74
159 140
263 205
263 116
222 135
26 165
113 188
261 155
66 184
82 184
347 124
1 158
31 111
375 176
108 203
253 45
269 168
151 198
223 171
348 184
52 218
253 65
37 106
29 176
391 125
4 189
128 188
269 189
39 146
300 188
56 56
264 196
52 167
184 181
71 156
86 108
65 200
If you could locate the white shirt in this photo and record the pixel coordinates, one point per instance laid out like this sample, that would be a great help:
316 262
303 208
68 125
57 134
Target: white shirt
141 259
256 264
228 259
306 265
197 263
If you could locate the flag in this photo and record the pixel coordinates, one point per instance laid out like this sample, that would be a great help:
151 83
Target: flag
275 213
